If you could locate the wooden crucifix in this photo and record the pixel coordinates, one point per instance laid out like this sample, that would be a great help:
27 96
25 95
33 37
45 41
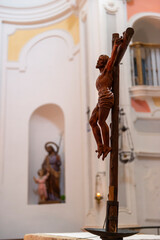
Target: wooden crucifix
107 85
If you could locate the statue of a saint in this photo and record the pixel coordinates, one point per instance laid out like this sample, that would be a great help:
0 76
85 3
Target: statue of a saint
52 164
100 113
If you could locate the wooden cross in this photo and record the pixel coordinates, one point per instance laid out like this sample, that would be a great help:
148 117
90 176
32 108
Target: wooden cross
112 204
111 230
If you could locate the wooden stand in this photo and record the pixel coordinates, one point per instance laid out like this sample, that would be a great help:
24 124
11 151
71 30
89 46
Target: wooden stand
111 231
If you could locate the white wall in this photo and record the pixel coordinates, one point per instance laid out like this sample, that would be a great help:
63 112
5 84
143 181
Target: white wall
50 76
52 69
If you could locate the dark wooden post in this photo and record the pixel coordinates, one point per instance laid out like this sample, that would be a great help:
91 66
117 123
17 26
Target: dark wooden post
111 231
112 203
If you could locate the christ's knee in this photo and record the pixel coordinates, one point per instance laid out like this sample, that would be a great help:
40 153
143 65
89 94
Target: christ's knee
93 122
103 124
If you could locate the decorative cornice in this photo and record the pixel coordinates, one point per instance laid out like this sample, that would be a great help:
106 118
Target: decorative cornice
23 4
44 12
21 36
73 4
143 91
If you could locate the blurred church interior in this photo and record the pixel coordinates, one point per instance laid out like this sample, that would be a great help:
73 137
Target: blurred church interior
48 54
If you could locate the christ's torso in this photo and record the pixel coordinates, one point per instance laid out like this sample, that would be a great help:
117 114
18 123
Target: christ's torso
104 80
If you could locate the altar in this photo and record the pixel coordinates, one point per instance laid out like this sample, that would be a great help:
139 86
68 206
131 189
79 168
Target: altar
83 236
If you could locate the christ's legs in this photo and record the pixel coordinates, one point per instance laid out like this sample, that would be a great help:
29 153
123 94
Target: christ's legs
103 114
96 130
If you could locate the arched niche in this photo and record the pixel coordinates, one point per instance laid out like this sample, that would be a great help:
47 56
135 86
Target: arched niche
46 124
147 29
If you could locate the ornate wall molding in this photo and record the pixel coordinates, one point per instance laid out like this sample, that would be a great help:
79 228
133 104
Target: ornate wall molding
138 16
65 36
21 35
110 7
144 91
33 14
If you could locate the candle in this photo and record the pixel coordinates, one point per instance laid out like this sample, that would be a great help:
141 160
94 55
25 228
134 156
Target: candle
98 195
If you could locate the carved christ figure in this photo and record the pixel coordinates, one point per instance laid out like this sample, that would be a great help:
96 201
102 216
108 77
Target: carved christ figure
100 113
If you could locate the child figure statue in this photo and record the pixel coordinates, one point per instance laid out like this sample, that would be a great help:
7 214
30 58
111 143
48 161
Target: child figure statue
41 181
100 113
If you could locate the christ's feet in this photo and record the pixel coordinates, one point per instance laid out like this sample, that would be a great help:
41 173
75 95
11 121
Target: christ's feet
106 150
99 150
